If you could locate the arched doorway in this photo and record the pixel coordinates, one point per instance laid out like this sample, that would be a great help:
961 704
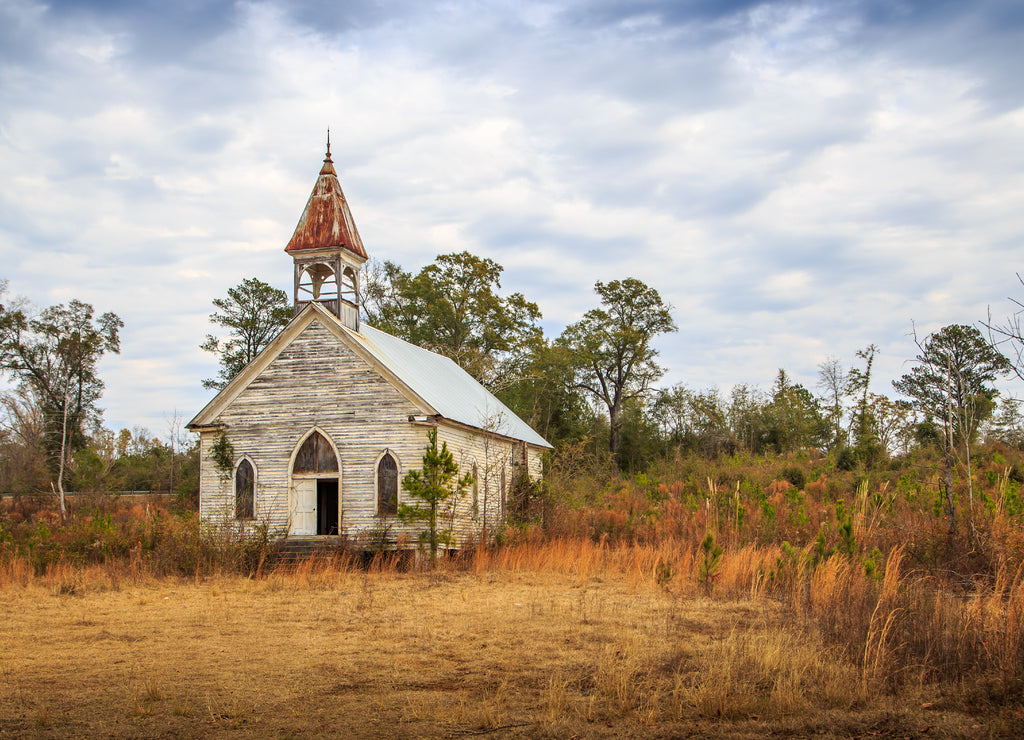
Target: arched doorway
316 487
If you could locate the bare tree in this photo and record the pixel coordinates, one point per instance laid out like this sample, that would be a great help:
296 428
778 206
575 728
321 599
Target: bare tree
834 381
1007 337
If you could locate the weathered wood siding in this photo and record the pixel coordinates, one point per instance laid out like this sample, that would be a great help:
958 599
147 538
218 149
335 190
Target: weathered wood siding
319 382
493 456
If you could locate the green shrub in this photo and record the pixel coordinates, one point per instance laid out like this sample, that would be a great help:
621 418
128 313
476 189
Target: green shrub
795 475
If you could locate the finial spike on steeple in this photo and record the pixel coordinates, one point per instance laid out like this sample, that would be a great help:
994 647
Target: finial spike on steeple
328 157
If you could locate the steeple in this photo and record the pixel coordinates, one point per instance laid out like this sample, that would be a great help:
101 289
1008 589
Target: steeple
327 250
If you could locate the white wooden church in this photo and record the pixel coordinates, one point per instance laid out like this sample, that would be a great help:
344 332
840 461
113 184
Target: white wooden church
323 424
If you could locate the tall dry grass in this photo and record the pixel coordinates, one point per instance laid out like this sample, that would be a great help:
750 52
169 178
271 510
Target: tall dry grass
862 562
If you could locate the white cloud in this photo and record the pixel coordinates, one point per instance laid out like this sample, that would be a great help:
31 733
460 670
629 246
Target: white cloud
797 180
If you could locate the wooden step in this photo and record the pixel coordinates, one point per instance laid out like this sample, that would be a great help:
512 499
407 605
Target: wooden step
301 548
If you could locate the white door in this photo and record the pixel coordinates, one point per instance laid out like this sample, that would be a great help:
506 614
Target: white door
304 507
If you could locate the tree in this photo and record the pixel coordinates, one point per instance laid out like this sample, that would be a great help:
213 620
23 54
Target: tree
1009 335
950 383
745 415
55 357
23 464
254 313
1007 426
543 395
615 361
385 295
694 419
833 380
863 425
453 307
432 488
894 422
12 321
792 418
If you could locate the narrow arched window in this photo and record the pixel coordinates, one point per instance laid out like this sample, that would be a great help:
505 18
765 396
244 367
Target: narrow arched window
245 491
316 456
387 485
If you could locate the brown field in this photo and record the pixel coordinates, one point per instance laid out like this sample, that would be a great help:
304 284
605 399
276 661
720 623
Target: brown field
499 648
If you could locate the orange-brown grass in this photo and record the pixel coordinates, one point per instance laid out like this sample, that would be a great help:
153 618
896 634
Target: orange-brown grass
535 640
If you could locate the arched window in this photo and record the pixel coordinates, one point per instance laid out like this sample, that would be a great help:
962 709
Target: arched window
349 288
245 490
387 485
316 456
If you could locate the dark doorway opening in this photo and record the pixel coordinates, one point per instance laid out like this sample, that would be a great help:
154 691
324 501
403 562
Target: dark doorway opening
327 507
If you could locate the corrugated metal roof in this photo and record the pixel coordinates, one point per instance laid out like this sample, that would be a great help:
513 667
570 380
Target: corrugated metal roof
453 392
326 220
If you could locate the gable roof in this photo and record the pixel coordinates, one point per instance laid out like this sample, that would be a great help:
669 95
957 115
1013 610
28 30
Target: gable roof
431 381
326 221
450 390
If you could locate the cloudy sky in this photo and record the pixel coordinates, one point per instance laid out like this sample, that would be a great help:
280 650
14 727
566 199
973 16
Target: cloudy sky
798 179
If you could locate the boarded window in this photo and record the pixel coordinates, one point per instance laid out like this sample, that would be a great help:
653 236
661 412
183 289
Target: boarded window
316 456
245 488
387 485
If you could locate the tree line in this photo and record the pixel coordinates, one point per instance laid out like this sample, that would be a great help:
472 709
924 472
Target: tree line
596 382
594 385
51 434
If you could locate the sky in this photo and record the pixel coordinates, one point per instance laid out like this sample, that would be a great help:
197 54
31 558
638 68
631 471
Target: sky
797 179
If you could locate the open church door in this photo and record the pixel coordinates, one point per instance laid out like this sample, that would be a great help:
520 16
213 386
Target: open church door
304 508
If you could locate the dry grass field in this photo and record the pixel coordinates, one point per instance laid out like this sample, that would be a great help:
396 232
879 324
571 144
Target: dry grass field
499 649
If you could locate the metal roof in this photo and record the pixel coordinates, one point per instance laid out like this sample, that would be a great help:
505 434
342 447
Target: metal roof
454 393
326 221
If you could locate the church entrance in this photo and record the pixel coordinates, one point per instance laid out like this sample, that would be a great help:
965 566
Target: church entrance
327 508
315 489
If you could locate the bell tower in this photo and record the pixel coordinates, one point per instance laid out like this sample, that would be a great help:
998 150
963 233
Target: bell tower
327 250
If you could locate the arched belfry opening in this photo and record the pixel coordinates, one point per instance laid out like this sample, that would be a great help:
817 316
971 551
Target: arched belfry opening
317 281
327 250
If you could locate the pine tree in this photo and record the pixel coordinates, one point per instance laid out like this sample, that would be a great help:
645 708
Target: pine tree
432 489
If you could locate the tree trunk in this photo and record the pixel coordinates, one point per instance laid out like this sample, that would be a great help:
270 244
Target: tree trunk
948 454
947 459
970 485
63 454
614 429
433 533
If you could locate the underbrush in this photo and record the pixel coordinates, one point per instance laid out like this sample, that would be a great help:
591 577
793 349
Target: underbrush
802 501
154 541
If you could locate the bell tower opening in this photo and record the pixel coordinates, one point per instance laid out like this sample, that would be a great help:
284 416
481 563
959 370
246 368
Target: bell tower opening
316 281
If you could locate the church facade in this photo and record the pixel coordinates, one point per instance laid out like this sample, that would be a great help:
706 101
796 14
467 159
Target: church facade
314 436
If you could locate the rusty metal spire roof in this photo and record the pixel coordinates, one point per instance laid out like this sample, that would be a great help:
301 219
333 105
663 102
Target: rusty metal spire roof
326 222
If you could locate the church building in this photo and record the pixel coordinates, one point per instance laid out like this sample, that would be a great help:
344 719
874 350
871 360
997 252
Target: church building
314 436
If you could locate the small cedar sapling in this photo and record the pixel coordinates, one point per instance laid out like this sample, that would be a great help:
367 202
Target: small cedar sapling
431 489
